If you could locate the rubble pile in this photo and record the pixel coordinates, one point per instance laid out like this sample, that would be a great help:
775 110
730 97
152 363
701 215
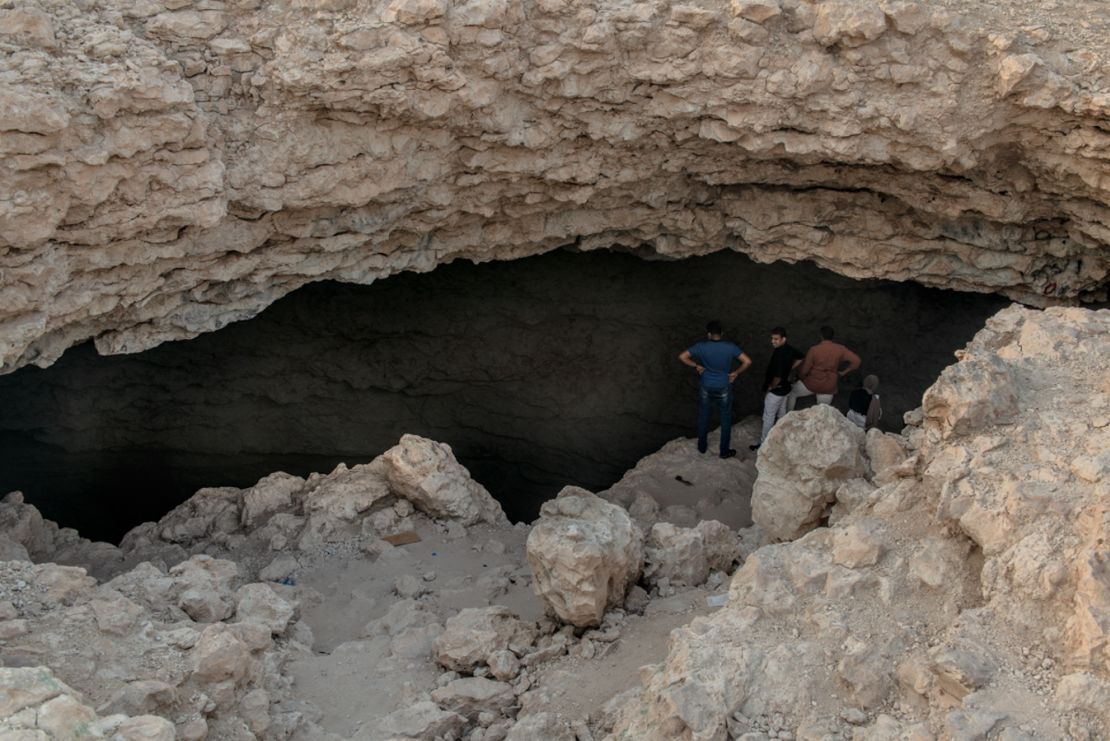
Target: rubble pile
961 588
947 582
195 626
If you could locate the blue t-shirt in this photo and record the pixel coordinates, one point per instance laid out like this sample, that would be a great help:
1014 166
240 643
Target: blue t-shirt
716 357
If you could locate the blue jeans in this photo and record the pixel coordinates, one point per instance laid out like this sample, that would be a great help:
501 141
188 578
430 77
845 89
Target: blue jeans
723 399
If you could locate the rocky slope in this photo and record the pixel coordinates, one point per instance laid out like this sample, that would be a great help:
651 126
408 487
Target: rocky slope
285 610
169 167
961 591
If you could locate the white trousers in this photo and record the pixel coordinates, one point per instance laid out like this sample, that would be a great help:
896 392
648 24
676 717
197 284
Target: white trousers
799 390
860 420
774 409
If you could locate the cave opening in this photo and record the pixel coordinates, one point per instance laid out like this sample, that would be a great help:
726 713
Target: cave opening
551 370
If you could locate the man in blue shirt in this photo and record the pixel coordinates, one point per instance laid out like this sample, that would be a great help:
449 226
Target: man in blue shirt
712 359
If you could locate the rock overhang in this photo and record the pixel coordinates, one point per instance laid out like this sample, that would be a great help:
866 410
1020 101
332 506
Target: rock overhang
173 170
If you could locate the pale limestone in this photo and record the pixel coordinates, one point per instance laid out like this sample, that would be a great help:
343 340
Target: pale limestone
353 141
584 554
801 465
675 554
426 473
970 593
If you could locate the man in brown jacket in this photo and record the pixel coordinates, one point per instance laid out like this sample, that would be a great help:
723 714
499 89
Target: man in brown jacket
821 370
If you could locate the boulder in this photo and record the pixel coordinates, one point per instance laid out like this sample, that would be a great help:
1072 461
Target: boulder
28 536
12 550
64 584
584 554
336 507
504 665
421 720
885 452
115 613
426 473
209 511
220 655
961 667
140 697
145 728
470 696
34 704
254 709
757 11
260 604
722 545
848 22
858 544
270 495
282 567
676 554
475 634
203 585
805 459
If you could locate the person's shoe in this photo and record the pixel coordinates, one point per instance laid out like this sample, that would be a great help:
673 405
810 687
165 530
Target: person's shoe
730 453
754 447
702 450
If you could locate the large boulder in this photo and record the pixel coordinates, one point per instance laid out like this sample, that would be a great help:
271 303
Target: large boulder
584 554
426 473
547 726
259 603
805 459
722 544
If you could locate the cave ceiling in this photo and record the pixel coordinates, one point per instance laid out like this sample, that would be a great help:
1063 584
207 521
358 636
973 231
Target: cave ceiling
167 168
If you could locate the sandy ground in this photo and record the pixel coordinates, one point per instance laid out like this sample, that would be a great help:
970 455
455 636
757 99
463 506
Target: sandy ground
355 678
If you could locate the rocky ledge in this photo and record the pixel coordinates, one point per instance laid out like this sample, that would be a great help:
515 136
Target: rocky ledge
169 167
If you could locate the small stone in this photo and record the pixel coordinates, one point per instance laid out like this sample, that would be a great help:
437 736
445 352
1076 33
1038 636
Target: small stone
409 587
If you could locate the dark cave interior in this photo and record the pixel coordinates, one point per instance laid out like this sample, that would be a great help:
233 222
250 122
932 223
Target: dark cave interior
542 372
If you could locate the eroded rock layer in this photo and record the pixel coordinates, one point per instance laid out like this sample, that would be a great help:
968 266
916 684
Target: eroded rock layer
169 167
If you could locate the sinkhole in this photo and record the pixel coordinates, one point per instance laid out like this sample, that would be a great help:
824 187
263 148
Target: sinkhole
542 372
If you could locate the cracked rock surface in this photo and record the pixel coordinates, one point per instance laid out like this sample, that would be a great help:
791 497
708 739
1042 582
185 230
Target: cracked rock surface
960 593
169 167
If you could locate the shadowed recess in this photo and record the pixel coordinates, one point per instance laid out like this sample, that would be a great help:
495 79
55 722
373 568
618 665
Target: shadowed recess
542 372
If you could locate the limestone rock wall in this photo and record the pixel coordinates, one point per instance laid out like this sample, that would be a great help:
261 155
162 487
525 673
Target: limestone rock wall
169 167
961 589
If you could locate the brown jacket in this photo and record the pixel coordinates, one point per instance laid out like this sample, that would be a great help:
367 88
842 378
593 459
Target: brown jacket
820 370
